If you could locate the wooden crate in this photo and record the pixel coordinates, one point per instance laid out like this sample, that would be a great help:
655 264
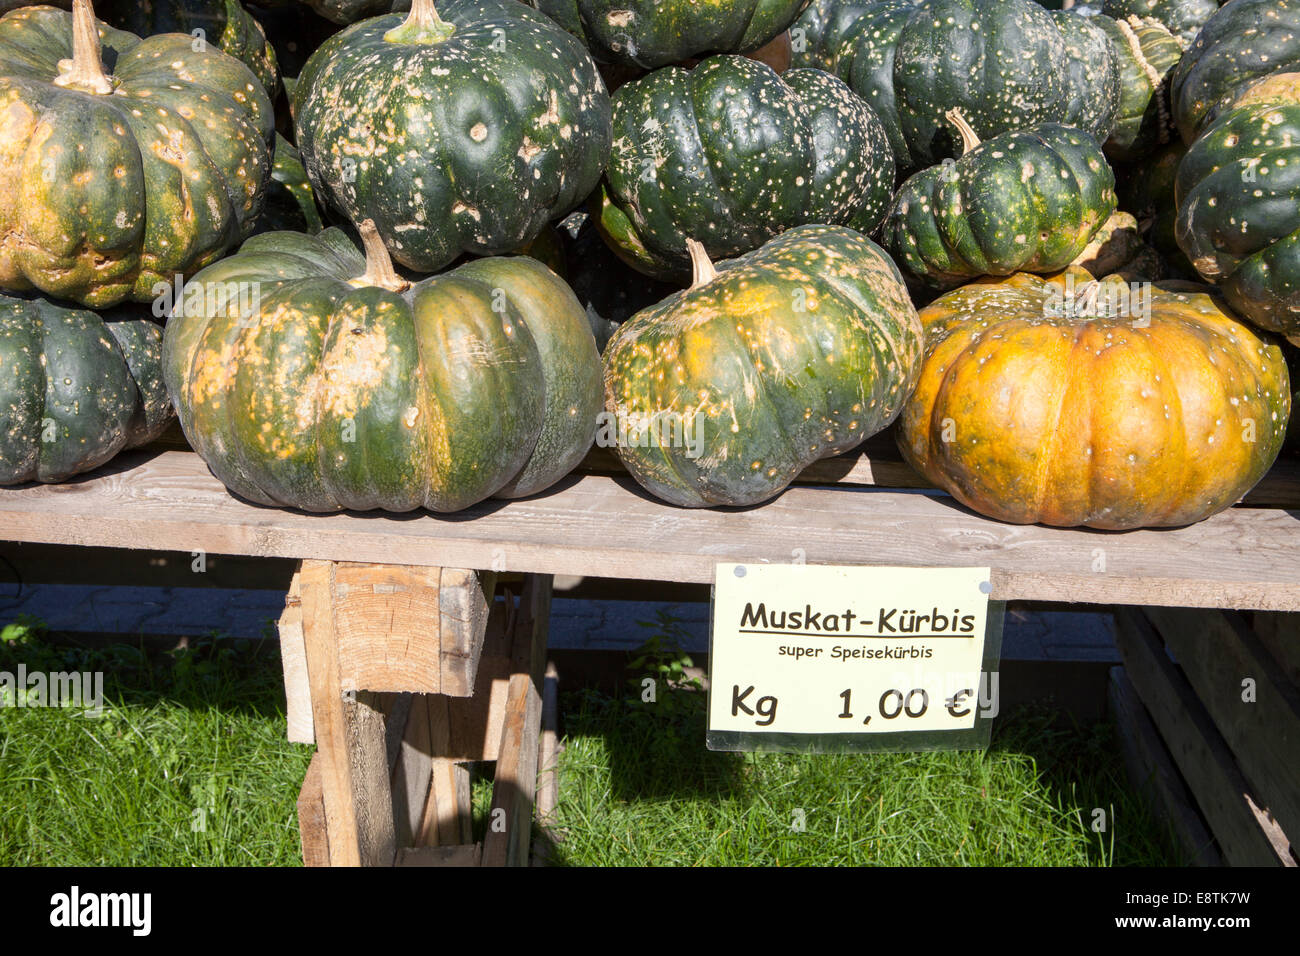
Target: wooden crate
1209 712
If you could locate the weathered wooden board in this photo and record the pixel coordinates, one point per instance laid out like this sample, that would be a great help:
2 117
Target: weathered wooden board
1198 749
1218 652
606 527
1152 770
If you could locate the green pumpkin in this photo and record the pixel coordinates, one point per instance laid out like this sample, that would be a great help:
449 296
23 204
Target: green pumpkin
1238 196
290 202
111 184
730 154
223 22
78 388
1147 54
1024 201
1006 64
337 384
1092 75
1243 41
1183 18
342 11
654 33
463 134
721 394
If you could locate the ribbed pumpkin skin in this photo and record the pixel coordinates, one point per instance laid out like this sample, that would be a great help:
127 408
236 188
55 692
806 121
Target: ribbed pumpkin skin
1244 40
856 41
104 196
1183 18
1238 195
224 23
1146 54
77 388
1026 200
290 202
730 154
482 381
775 388
470 144
1092 75
1094 421
654 33
992 59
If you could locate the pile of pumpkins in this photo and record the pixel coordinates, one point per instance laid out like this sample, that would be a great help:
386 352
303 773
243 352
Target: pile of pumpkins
416 254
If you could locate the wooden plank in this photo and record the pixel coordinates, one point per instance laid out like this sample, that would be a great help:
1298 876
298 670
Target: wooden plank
349 737
509 833
448 814
1198 749
599 526
467 855
312 826
293 662
1217 651
385 617
464 600
548 780
412 772
1152 771
1279 631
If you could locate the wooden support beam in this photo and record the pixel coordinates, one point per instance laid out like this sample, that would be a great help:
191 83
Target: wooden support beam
548 779
1152 771
293 663
1260 720
1197 747
510 819
312 827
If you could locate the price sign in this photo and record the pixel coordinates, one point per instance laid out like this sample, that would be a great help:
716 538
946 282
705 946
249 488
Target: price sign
822 658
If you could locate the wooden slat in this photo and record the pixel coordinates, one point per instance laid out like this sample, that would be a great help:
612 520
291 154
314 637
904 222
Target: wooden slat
1242 558
412 772
1198 749
293 663
464 855
1280 633
548 780
464 599
350 737
312 826
1152 771
1217 650
509 834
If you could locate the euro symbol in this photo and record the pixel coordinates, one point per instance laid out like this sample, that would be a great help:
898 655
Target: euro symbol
956 703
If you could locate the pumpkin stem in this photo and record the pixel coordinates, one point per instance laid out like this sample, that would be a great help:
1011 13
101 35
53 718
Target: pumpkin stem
702 271
379 265
969 138
422 25
85 71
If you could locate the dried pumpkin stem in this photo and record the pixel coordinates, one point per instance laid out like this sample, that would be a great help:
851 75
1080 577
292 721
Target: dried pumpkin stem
969 138
422 25
702 271
85 71
379 265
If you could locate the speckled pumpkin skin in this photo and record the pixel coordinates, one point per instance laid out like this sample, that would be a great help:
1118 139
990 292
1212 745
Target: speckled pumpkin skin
1244 40
1147 54
482 381
1092 420
1183 18
224 22
471 144
730 154
104 196
1238 200
76 388
1006 64
1023 201
795 352
654 33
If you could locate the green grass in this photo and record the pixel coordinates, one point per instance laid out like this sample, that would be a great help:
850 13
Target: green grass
187 766
638 788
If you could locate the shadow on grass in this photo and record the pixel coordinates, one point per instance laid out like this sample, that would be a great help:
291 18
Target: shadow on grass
235 676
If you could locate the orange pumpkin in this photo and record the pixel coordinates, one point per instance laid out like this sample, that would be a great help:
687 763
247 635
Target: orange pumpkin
1069 401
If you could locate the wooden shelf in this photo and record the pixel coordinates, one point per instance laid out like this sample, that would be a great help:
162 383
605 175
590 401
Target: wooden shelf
605 526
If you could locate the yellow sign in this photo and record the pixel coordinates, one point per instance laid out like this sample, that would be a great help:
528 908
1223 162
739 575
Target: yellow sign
813 649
